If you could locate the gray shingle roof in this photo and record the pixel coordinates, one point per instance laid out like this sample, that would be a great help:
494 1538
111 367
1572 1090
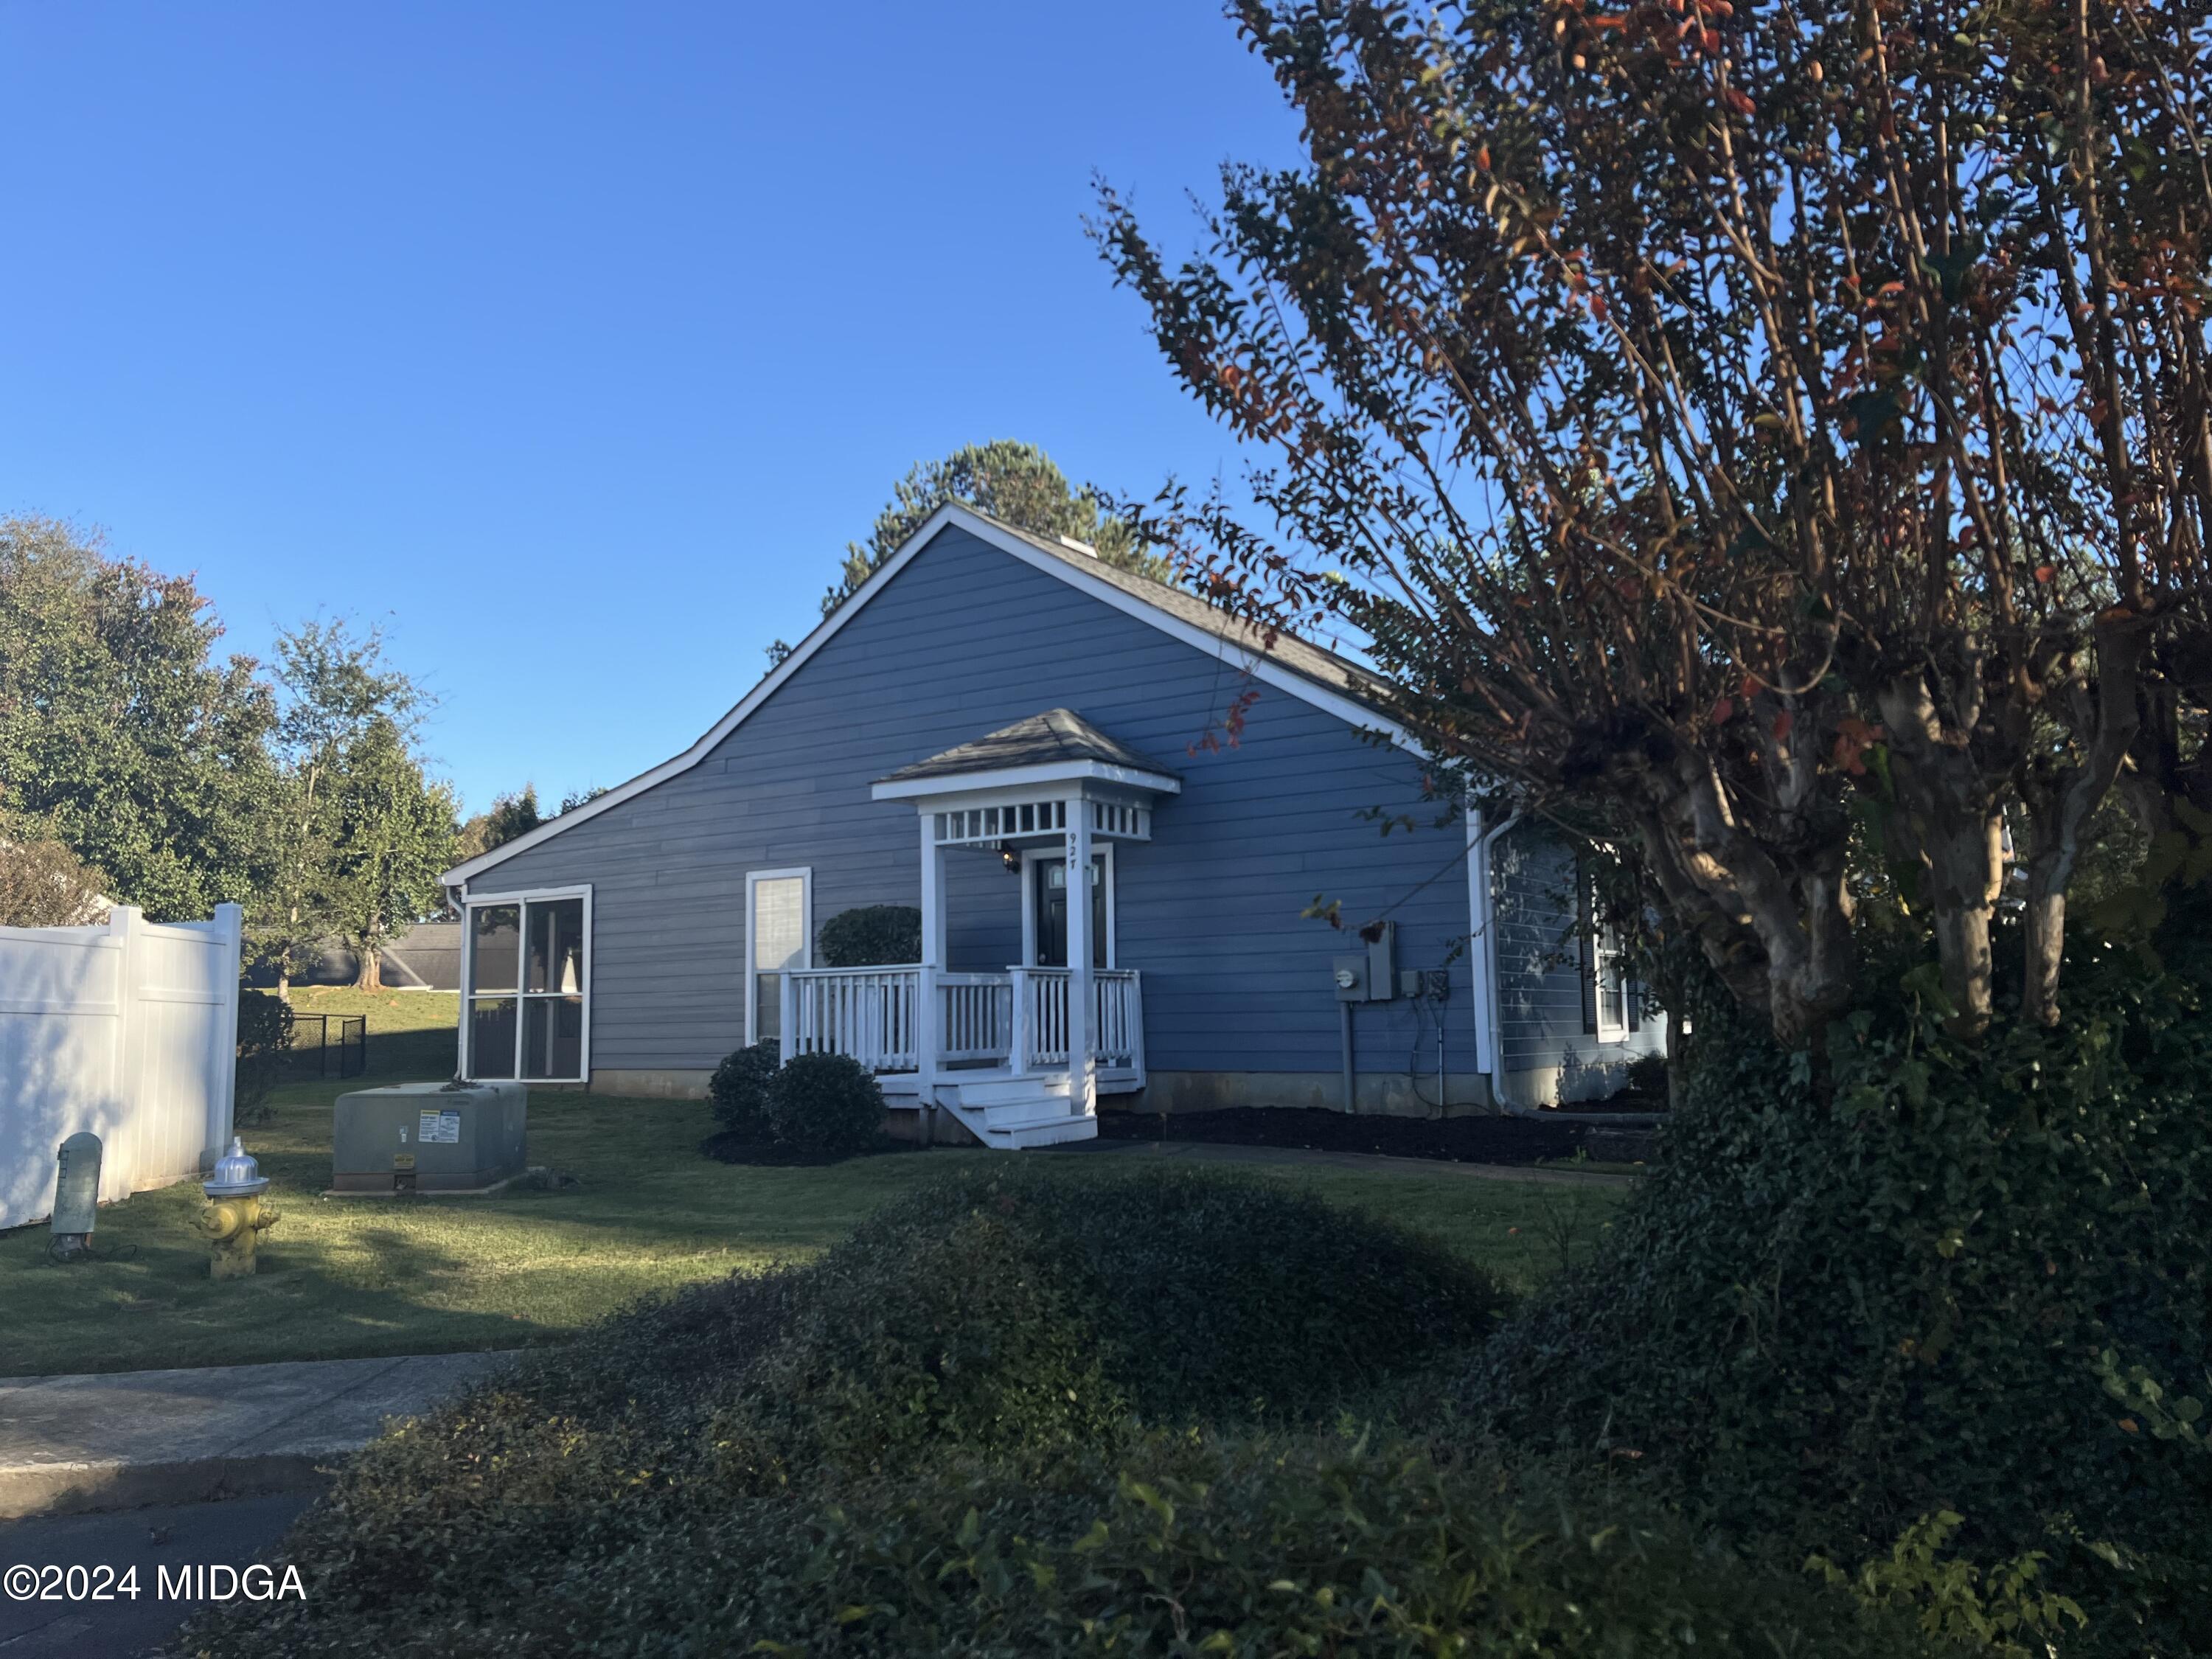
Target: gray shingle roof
1055 736
1301 657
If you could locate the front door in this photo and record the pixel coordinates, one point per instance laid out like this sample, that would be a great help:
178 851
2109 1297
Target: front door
1048 895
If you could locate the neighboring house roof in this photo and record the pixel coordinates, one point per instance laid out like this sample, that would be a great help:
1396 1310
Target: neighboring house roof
1304 670
1057 736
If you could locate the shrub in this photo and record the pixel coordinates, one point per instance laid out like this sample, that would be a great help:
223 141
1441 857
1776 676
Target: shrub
1245 1544
828 1105
1312 1544
738 1090
679 1470
1894 1301
264 1037
871 936
1647 1076
1198 1297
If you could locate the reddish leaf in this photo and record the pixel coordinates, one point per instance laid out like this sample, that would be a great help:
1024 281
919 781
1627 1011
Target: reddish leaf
1723 712
1783 722
2043 573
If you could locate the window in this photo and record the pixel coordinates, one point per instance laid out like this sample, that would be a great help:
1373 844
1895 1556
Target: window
779 936
1614 990
528 987
1608 993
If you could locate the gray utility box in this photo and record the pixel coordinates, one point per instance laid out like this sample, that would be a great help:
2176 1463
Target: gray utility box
429 1138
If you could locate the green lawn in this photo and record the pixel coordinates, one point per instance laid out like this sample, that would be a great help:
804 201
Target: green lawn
343 1278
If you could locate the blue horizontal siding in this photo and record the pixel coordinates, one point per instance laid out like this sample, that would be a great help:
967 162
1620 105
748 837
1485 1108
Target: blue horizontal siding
966 639
1540 1008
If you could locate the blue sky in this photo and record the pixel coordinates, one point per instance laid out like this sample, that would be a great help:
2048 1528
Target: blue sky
574 341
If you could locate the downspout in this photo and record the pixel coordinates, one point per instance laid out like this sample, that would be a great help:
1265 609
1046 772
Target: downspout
1490 1051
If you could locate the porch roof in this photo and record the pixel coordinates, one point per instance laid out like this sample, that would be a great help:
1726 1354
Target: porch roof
1056 739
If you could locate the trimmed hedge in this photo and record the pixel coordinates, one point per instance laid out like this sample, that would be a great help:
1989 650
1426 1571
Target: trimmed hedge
871 936
1822 1320
738 1090
1005 1326
829 1105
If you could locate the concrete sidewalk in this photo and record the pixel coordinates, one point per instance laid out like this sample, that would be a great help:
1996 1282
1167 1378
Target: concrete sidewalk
126 1438
1315 1158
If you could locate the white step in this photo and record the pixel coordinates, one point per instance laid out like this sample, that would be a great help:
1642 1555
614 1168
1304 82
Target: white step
1017 1112
1012 1091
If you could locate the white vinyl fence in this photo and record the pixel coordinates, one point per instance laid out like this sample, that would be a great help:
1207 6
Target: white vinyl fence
130 1030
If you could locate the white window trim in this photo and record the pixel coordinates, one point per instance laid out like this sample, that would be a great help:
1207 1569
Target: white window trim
530 896
1609 1030
805 874
1035 855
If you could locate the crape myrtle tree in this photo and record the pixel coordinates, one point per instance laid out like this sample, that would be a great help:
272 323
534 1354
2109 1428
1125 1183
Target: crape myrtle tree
1765 428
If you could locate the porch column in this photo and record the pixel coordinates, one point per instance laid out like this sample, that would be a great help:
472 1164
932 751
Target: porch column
1082 1064
929 1014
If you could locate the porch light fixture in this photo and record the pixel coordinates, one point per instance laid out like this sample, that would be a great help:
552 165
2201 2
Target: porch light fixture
1012 858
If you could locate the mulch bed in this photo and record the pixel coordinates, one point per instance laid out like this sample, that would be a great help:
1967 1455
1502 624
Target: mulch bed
1452 1139
725 1147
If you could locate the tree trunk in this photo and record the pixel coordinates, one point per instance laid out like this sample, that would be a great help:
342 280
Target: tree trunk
369 974
2108 724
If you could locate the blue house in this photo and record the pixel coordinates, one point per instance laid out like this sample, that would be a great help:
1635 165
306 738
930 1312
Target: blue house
996 719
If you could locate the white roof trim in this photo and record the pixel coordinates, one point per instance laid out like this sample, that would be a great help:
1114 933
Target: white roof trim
1019 777
1252 660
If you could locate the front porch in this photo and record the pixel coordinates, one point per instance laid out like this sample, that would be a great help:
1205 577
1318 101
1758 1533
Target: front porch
996 1048
1019 1055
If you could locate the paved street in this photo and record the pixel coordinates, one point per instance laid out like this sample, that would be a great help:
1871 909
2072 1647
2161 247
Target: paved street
230 1534
116 1439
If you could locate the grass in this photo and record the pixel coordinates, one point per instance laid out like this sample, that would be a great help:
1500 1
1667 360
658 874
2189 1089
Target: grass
357 1277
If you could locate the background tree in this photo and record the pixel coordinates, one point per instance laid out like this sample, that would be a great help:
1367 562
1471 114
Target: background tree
510 815
119 731
575 798
1016 482
343 704
43 884
1759 430
391 833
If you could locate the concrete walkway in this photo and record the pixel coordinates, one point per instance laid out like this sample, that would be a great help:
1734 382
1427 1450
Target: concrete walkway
125 1438
1312 1157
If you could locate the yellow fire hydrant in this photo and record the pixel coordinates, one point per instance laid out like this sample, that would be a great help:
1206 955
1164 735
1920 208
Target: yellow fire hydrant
236 1215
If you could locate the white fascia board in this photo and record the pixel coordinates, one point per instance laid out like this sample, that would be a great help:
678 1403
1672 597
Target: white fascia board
1252 660
1023 777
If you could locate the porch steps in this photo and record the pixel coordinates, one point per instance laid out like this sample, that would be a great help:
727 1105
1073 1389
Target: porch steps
1011 1113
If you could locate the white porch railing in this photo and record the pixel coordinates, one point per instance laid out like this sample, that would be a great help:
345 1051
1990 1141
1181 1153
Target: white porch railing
1018 1019
975 1013
1117 1019
870 1013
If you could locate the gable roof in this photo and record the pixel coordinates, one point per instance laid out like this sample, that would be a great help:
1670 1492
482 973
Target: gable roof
1334 683
1056 736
